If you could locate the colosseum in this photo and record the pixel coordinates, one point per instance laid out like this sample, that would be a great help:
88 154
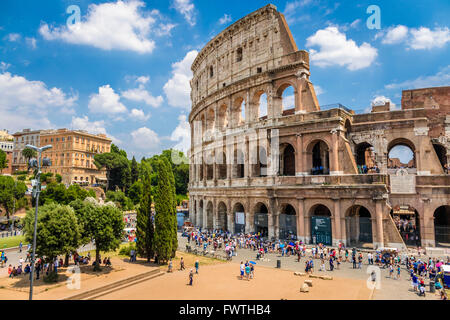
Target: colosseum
286 167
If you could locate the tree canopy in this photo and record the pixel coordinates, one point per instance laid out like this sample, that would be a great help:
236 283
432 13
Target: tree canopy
10 189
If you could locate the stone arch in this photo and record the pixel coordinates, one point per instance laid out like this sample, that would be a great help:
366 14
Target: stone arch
318 161
394 162
222 221
321 229
238 111
210 215
210 119
442 226
239 227
221 164
259 105
407 220
261 219
209 161
287 159
358 224
288 221
238 164
262 158
364 156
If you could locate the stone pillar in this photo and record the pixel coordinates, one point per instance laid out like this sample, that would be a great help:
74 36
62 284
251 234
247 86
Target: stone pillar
300 219
337 236
300 169
215 213
343 230
379 219
230 217
334 165
427 234
270 225
247 166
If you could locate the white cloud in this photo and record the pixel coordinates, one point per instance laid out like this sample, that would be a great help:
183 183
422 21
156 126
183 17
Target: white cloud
17 91
164 29
25 103
416 39
441 78
424 38
225 19
143 79
13 37
335 49
31 42
395 35
177 89
94 127
381 101
145 139
182 135
113 25
187 9
137 114
141 95
106 101
318 90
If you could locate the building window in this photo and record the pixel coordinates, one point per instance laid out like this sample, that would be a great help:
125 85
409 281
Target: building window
239 54
259 70
211 71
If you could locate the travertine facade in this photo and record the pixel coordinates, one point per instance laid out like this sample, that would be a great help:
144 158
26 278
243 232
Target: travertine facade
304 171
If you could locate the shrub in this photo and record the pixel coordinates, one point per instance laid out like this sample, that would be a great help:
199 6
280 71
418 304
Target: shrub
126 250
22 177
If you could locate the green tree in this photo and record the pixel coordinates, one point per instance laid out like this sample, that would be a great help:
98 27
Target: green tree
58 178
174 210
3 160
29 153
10 189
164 213
134 170
120 199
145 223
117 167
135 192
58 232
105 227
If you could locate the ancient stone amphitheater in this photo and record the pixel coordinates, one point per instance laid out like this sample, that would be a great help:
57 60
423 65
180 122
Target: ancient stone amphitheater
282 165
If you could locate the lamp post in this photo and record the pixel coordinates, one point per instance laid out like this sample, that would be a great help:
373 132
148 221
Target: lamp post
37 164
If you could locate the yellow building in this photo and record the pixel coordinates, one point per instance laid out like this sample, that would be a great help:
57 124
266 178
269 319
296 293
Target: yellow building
72 155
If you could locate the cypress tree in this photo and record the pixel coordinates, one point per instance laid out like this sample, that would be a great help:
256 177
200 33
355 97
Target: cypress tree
163 214
174 209
134 171
145 231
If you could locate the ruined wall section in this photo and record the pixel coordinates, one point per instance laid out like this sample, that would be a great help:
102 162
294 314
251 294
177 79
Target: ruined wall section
253 44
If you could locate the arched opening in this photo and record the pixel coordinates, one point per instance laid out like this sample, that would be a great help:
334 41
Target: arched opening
210 215
222 222
239 111
441 153
201 168
200 214
261 219
442 226
287 163
407 220
288 223
239 54
358 226
238 164
365 158
210 166
262 161
210 119
223 117
203 120
288 100
320 158
401 154
239 218
321 225
221 162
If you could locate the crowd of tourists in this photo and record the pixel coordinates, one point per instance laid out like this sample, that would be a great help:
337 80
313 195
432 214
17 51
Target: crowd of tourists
327 258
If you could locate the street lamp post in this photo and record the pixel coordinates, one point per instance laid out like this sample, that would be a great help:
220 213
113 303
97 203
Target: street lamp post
37 192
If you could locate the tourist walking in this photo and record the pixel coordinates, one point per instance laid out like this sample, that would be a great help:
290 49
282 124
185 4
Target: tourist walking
182 264
191 277
196 266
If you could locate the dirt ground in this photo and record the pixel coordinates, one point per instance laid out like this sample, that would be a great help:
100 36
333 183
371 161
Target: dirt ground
222 282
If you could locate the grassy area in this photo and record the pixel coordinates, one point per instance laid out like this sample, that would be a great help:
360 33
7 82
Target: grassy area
10 242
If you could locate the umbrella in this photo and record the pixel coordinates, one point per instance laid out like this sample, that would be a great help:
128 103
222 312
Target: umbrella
252 262
282 245
291 243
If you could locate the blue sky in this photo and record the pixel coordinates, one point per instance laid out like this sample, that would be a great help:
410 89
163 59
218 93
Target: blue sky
124 69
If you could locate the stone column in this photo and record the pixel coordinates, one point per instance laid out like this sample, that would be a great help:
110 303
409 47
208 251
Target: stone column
299 163
300 219
337 221
379 219
230 222
334 165
427 233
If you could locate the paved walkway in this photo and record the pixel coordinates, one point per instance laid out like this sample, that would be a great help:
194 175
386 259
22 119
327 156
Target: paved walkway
390 289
